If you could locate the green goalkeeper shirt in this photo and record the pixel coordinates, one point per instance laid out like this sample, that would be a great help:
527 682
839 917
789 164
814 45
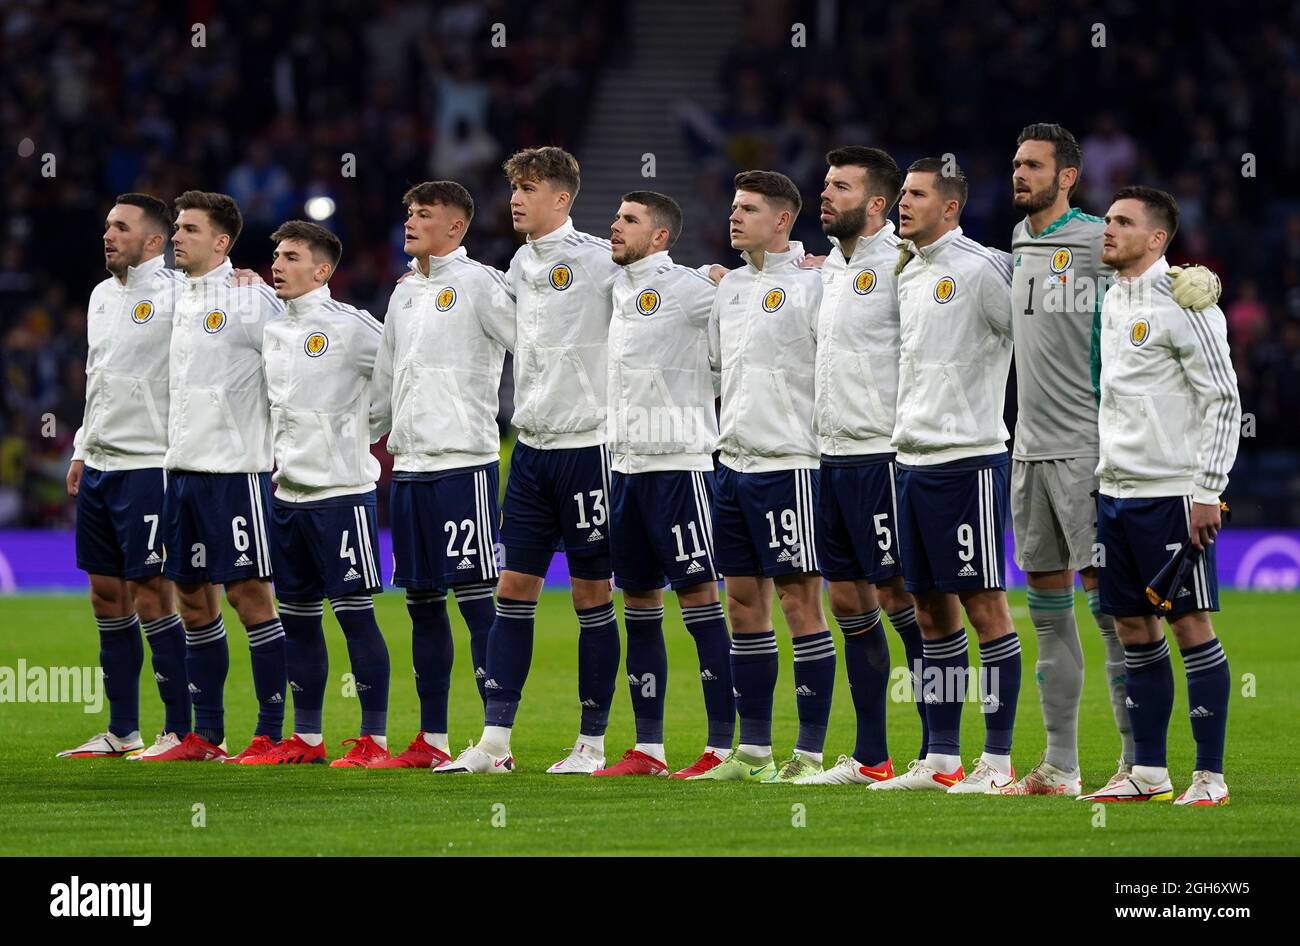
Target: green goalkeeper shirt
1058 281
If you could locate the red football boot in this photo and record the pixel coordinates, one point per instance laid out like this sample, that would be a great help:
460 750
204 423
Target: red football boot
192 748
364 751
701 765
635 763
259 745
292 751
418 755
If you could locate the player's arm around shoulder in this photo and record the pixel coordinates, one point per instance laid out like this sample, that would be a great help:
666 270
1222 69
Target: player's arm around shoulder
994 276
494 306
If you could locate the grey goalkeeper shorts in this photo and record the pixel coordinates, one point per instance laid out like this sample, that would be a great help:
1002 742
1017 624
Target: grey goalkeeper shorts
1053 513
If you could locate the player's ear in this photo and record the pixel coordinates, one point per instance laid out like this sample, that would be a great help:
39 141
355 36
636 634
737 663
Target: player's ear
1067 178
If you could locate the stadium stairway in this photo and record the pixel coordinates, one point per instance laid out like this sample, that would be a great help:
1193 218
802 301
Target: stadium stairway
674 52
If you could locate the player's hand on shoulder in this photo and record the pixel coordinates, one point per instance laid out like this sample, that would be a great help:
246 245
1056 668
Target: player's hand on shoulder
1195 287
812 262
241 278
74 476
717 271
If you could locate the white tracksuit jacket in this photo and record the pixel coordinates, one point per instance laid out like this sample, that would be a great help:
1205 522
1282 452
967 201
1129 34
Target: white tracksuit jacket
662 378
562 285
1170 417
857 347
954 306
129 328
438 369
766 320
220 416
318 358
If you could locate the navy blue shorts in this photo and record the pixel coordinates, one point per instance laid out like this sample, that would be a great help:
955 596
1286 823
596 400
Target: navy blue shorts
661 529
557 499
766 523
857 516
951 520
445 528
214 527
325 549
1137 538
118 517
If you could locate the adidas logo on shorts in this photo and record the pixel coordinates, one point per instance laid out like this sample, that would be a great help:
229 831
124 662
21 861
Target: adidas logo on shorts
159 677
887 559
242 561
784 556
633 679
351 575
194 689
294 688
967 571
153 559
694 568
464 564
479 673
707 675
1200 713
596 536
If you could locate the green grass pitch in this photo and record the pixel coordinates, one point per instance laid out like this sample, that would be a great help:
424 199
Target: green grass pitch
101 807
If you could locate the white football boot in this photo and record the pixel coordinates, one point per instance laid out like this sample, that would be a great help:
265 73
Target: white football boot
984 779
846 771
920 776
1047 779
1207 788
476 761
104 746
583 760
164 741
1144 783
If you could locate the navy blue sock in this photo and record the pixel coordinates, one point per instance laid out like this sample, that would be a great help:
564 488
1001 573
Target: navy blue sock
944 664
999 691
166 637
476 607
866 661
509 654
814 682
597 666
904 624
368 655
708 626
306 662
432 653
1150 700
266 648
647 670
207 661
121 655
1208 685
753 676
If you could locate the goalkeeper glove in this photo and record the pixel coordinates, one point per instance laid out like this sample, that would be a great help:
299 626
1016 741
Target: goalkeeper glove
1195 287
904 257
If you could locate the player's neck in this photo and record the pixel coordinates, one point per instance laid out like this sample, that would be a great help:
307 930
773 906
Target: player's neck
197 274
125 274
930 238
1040 220
757 257
547 229
874 226
1138 266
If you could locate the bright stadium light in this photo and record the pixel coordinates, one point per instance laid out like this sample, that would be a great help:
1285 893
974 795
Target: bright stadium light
319 208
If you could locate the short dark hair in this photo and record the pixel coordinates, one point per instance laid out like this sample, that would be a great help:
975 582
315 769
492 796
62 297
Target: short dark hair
154 210
221 209
1065 147
1160 206
884 179
949 179
447 193
325 246
773 185
664 211
550 164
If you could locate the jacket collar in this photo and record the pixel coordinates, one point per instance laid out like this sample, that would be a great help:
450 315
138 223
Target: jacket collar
864 244
145 272
1148 277
219 276
1055 225
552 239
771 261
927 253
647 265
308 301
437 263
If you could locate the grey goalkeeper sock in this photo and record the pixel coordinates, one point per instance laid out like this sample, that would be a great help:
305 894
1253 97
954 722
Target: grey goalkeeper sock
1059 672
1116 675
